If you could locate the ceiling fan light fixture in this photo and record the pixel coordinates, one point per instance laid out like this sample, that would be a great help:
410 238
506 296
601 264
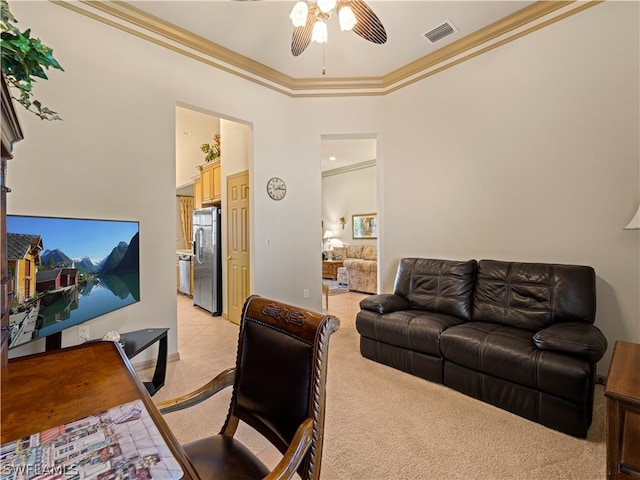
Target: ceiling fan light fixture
299 13
319 33
346 18
326 6
354 15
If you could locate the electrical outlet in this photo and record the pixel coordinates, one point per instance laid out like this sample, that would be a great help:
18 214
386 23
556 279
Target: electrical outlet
83 333
305 293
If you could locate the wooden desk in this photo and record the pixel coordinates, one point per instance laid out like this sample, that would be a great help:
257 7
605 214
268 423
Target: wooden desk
53 388
623 412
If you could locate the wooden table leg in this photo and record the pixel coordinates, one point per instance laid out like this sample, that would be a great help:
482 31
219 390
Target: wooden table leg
613 438
325 290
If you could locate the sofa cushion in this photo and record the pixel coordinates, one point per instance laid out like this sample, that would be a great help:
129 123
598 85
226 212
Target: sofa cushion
384 303
415 330
533 295
438 286
354 251
509 353
339 253
369 252
580 339
357 264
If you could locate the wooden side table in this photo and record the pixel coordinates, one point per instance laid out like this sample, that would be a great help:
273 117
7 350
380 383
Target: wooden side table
623 412
330 269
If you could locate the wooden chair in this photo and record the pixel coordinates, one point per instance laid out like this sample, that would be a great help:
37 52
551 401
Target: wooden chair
278 389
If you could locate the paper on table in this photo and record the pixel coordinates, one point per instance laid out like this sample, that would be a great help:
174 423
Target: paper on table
122 442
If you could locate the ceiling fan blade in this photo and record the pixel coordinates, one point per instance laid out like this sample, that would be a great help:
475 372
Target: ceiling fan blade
369 25
301 37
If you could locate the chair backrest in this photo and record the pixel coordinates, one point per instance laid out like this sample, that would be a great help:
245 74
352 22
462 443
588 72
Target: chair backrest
281 371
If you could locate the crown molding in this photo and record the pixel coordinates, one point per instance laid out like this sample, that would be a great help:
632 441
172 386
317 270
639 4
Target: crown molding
350 168
129 19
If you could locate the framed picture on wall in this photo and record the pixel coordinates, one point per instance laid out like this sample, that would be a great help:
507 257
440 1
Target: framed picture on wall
365 226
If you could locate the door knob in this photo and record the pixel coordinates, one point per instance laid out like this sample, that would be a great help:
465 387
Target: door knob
229 257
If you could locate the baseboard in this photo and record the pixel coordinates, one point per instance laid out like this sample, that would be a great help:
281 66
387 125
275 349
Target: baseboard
147 364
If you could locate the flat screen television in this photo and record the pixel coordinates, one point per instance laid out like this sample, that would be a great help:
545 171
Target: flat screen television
66 271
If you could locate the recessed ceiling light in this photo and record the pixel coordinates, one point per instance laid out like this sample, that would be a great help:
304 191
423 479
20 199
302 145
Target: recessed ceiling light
332 158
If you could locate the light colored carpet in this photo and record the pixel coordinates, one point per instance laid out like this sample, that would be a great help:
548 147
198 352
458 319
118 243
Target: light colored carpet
384 424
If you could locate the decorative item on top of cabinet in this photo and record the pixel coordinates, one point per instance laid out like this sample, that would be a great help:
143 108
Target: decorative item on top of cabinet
210 183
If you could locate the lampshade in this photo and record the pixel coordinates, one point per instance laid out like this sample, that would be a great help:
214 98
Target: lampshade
319 33
634 224
346 18
299 13
326 6
327 234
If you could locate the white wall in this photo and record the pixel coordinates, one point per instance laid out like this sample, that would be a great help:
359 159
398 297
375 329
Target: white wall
116 148
113 156
529 152
346 194
198 128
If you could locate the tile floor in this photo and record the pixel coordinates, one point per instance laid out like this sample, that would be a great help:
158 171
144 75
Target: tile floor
192 322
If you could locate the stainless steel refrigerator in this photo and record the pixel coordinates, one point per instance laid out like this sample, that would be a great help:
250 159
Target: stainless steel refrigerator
207 262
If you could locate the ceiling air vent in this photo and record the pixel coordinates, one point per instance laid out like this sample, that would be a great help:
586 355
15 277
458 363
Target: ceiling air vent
440 32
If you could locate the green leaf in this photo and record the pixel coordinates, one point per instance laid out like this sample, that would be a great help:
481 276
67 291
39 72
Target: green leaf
24 59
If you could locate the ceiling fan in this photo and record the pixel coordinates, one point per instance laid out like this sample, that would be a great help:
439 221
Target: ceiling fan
309 19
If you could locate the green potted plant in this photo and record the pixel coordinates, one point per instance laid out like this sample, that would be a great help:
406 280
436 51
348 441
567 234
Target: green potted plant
24 59
212 150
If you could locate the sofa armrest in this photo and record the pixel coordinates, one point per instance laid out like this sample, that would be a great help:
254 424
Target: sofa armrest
384 303
582 339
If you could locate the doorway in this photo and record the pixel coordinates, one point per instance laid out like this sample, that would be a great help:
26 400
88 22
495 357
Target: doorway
349 188
195 127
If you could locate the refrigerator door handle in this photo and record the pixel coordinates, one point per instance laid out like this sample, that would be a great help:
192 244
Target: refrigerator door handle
197 252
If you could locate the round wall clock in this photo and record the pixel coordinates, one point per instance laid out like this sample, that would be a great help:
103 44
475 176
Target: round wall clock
276 188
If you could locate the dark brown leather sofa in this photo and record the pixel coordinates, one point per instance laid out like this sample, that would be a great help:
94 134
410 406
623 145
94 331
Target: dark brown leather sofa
516 335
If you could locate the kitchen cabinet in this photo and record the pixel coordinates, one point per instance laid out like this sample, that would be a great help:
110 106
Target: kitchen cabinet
197 191
210 178
207 186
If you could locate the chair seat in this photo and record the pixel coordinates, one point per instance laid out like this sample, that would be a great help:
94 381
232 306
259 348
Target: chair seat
222 457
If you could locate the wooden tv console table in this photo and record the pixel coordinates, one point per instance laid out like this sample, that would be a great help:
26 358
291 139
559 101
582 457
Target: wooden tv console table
53 388
623 412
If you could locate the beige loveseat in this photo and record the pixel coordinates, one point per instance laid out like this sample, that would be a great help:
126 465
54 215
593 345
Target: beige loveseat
361 263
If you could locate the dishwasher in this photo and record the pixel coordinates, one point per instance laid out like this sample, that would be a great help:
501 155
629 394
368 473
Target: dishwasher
185 274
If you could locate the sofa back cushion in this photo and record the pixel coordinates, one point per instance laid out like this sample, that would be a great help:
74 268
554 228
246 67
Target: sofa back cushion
533 295
369 252
438 286
354 251
339 253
